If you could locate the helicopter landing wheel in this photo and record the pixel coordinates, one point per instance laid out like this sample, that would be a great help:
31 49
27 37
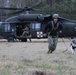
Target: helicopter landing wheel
23 40
10 39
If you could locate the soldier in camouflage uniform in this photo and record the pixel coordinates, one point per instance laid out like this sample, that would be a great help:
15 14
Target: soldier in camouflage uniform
25 31
53 27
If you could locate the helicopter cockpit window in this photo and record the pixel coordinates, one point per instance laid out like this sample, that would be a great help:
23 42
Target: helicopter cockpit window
7 27
36 26
0 24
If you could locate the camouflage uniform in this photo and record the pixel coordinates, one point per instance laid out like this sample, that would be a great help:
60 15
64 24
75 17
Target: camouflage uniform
53 30
52 43
25 31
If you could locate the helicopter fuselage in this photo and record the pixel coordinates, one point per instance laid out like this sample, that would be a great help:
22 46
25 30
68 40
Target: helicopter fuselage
13 27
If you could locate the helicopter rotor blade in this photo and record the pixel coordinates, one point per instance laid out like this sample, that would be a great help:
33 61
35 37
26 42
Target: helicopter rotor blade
13 13
6 8
17 10
25 8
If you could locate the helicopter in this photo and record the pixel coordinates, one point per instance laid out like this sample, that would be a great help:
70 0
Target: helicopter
12 28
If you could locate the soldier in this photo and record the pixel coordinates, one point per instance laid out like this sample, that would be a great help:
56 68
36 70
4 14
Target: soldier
53 27
25 31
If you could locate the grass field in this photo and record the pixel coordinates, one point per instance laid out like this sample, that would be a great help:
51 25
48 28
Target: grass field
21 58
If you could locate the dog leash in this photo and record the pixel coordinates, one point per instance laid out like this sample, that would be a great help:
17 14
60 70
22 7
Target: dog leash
65 45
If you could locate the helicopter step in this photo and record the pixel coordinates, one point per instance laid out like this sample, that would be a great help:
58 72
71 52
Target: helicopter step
23 38
19 37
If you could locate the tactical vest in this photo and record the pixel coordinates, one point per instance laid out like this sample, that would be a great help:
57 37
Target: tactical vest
54 28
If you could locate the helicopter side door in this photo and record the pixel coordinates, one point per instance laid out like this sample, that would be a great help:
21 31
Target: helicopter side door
5 30
36 30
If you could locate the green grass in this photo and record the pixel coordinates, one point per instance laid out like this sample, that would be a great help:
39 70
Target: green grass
4 72
6 69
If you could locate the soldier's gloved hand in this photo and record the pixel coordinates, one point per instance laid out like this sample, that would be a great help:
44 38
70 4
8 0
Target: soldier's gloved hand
44 35
60 31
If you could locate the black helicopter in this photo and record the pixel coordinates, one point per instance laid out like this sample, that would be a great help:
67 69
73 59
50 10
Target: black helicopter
12 28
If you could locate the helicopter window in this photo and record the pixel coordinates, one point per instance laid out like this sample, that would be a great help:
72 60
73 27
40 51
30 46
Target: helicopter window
7 27
36 26
33 26
0 24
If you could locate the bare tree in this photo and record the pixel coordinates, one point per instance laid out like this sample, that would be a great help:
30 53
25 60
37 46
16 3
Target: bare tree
50 2
2 11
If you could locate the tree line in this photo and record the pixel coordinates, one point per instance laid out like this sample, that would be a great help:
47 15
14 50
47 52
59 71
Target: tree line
65 8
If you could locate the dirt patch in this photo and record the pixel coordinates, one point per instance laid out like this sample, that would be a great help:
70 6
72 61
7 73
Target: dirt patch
38 72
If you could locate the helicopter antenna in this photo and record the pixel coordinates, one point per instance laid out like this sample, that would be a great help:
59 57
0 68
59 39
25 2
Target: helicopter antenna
27 12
